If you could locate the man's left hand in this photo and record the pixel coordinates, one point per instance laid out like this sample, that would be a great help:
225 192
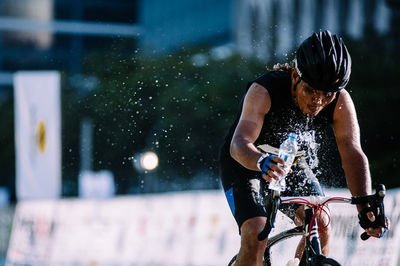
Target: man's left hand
377 232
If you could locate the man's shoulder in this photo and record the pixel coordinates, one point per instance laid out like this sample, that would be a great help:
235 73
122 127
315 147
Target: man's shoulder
272 79
275 75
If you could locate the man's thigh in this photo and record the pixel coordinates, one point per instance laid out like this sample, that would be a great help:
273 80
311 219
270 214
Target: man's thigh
245 199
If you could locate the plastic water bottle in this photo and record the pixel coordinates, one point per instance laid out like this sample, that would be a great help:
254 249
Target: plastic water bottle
293 262
287 151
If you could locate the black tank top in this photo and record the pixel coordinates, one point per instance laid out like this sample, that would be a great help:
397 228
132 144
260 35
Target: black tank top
284 115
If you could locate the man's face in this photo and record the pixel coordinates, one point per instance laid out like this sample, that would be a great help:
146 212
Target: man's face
312 101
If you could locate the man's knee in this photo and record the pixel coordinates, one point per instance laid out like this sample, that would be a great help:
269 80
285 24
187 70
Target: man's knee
324 222
250 230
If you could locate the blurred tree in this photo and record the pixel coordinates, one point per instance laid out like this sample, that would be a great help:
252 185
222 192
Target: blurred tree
373 86
394 38
200 104
172 105
369 16
181 106
7 151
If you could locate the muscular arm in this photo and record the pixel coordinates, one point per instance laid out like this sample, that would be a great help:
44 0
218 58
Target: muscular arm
347 133
256 104
354 161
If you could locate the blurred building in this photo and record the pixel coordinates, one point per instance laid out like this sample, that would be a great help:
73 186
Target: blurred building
270 28
57 34
169 25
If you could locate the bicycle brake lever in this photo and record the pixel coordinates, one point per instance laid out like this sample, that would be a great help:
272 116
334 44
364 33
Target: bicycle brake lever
273 204
364 236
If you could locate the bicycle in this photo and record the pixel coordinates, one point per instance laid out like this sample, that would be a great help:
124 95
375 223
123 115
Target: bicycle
312 254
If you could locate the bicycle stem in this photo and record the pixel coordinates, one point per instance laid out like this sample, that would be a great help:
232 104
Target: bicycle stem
311 234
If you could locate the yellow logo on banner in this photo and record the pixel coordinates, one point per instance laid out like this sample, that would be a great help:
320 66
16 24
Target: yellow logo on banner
41 136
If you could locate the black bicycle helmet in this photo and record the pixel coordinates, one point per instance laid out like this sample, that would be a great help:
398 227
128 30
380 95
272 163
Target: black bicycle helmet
323 62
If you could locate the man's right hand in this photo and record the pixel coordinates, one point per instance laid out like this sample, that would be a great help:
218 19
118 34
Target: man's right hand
268 164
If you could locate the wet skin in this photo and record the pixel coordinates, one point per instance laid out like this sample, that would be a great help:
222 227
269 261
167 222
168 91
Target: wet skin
309 100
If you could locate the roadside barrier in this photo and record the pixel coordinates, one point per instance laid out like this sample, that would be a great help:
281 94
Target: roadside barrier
186 228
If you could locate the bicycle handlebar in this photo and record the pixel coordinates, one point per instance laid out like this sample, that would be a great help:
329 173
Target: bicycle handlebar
375 201
377 197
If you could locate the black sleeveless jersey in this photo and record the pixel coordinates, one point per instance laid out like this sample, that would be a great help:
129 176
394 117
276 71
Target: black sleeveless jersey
283 117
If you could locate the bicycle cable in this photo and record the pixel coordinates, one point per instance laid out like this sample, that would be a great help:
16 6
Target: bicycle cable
318 208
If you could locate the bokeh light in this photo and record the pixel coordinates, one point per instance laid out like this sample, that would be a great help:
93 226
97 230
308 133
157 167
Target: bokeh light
149 161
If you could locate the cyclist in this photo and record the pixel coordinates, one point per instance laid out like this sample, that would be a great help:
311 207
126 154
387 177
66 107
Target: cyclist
306 96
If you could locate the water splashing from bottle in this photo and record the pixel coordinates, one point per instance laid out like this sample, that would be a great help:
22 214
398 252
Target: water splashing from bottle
310 159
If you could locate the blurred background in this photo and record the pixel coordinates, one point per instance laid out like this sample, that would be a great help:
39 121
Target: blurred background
166 77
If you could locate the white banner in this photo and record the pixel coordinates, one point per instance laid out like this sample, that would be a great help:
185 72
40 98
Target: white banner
37 134
174 229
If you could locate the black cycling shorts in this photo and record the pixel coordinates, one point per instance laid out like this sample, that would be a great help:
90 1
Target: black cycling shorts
245 191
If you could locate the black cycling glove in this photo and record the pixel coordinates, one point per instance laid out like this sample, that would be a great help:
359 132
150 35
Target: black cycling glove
365 222
380 219
376 207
